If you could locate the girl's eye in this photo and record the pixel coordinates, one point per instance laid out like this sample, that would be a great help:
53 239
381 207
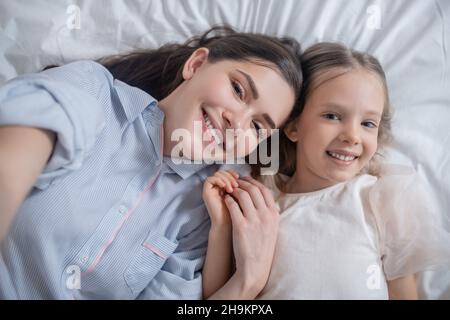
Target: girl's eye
331 116
369 124
238 90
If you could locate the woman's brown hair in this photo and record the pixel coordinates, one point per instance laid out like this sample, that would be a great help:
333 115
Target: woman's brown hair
159 71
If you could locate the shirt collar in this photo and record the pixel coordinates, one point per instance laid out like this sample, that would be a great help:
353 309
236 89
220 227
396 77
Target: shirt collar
187 168
135 100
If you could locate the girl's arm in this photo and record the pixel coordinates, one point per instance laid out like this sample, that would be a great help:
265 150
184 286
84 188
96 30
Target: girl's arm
403 288
24 151
218 263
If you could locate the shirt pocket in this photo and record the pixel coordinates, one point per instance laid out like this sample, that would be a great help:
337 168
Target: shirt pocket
149 260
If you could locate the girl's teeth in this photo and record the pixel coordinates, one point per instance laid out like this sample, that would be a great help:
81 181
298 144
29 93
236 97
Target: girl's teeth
341 157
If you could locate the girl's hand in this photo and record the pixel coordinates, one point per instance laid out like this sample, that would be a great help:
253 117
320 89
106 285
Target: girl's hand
214 191
255 219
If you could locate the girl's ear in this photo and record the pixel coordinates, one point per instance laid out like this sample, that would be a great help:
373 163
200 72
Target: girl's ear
291 131
197 59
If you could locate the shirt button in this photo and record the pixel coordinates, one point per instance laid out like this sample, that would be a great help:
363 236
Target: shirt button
122 209
84 259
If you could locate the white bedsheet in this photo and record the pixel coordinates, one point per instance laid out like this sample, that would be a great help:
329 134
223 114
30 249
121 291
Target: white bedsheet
410 37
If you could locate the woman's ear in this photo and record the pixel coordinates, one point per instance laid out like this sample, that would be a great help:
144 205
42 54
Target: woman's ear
196 60
291 131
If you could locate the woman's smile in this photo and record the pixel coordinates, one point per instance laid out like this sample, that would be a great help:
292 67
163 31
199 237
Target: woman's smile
210 130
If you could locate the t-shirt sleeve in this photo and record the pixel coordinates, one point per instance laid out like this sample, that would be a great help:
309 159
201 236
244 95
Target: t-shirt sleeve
66 100
412 238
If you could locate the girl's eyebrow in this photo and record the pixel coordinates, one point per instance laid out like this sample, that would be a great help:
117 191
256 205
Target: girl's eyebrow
341 108
334 106
251 83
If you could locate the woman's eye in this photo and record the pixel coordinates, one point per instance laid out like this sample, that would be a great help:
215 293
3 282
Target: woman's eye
238 89
369 124
331 116
257 127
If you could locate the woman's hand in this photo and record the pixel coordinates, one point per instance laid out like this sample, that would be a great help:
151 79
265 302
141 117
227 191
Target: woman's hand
214 191
255 221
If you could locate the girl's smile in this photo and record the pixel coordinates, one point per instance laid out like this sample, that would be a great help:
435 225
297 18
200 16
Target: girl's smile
341 157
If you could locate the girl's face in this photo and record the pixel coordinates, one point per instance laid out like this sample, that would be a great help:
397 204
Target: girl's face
220 106
336 134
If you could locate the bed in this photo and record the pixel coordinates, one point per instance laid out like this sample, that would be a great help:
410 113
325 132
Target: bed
410 37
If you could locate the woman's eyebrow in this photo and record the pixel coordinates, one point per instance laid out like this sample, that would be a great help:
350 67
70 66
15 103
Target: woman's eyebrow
255 94
269 121
251 83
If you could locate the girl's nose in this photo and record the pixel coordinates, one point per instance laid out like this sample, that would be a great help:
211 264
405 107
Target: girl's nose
350 135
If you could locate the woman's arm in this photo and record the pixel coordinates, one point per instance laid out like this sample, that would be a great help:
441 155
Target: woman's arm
404 288
217 268
255 220
24 151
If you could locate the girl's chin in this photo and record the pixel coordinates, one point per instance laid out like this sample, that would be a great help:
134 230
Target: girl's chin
343 177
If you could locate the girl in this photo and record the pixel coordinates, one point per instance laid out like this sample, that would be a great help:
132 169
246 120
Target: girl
112 212
350 227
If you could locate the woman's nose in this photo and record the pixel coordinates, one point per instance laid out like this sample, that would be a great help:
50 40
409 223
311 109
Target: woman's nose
233 120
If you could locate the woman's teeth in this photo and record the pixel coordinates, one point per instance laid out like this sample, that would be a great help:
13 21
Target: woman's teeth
211 129
341 157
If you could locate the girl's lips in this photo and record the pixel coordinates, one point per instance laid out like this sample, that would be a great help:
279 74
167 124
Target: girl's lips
342 162
344 153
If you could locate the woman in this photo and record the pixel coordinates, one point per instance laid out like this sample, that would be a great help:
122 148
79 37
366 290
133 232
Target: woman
112 213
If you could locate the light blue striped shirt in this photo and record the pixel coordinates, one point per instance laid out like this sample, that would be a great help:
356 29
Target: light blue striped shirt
110 217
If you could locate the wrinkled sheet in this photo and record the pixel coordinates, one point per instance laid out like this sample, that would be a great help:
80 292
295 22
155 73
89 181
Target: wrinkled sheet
410 37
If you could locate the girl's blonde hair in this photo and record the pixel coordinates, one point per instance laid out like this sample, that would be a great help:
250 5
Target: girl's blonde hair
316 62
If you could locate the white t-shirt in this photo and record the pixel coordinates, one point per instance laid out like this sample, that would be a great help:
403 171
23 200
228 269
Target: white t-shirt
345 241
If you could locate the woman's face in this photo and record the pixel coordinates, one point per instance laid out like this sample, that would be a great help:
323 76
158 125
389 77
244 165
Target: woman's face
216 112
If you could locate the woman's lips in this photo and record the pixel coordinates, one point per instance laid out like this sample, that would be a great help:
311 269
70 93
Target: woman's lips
210 128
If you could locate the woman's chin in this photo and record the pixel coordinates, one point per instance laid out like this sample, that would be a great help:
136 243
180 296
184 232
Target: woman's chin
207 153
